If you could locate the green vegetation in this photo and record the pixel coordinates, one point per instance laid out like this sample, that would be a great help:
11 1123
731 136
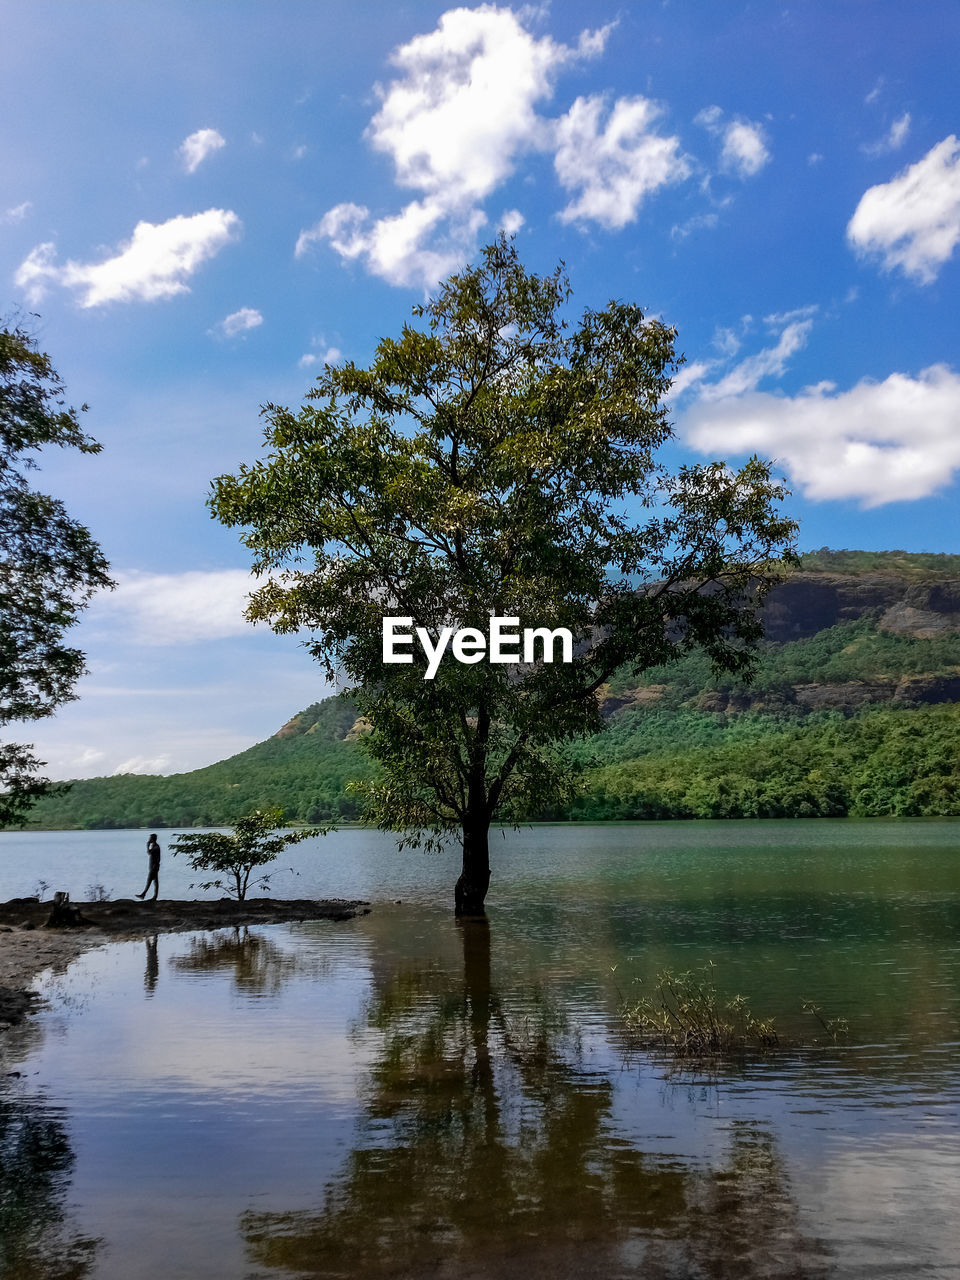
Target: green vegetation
903 563
877 763
495 460
849 651
687 1015
50 566
233 857
684 744
305 772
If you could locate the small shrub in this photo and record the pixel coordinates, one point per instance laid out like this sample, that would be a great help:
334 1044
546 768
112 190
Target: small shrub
97 893
236 857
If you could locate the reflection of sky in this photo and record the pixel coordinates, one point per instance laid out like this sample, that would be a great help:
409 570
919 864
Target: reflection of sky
206 1097
197 1103
189 1105
891 1205
192 1042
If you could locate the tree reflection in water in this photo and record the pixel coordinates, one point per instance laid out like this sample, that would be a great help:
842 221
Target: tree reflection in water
36 1161
486 1148
259 965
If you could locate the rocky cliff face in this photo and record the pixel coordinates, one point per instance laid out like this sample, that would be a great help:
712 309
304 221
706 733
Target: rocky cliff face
809 602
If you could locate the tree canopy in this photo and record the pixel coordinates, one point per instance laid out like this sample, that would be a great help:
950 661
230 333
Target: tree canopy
50 565
495 460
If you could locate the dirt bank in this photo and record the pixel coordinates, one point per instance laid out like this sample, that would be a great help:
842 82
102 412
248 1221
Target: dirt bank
28 945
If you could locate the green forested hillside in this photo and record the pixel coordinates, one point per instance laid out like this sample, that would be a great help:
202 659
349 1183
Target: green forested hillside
304 769
878 763
861 717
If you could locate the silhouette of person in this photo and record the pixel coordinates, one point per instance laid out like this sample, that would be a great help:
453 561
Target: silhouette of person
152 972
153 875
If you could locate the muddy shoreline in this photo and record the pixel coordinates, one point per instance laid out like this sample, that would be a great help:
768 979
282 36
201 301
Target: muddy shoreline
28 946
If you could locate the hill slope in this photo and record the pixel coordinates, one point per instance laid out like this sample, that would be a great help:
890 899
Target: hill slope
855 710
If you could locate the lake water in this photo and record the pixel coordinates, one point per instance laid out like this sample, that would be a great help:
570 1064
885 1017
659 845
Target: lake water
402 1096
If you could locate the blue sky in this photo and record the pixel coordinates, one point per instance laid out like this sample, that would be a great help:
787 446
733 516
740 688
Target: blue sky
202 202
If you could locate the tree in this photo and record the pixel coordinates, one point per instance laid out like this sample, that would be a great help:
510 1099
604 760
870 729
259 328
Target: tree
494 462
233 858
50 565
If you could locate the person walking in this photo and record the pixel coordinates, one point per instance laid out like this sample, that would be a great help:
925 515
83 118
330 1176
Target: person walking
153 874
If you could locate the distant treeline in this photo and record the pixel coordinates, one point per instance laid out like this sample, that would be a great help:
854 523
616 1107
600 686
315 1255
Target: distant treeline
879 763
907 564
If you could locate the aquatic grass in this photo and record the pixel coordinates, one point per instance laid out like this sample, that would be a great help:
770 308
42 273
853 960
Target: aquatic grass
687 1015
836 1028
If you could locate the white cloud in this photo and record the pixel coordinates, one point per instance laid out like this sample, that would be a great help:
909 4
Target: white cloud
690 374
143 764
298 152
18 212
464 105
892 140
794 328
880 442
241 321
726 341
898 132
511 220
770 362
711 118
184 741
744 151
777 319
454 121
181 608
195 149
339 224
614 166
814 158
154 263
328 356
913 221
698 222
395 247
791 329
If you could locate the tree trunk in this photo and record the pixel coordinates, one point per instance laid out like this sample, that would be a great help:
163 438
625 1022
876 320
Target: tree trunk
471 888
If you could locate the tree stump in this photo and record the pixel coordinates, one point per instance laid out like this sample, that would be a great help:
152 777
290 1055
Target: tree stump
63 914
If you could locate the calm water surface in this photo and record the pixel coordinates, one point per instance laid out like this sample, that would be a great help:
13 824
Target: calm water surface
402 1096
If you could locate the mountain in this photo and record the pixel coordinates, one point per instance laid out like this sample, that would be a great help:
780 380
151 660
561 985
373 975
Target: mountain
855 709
